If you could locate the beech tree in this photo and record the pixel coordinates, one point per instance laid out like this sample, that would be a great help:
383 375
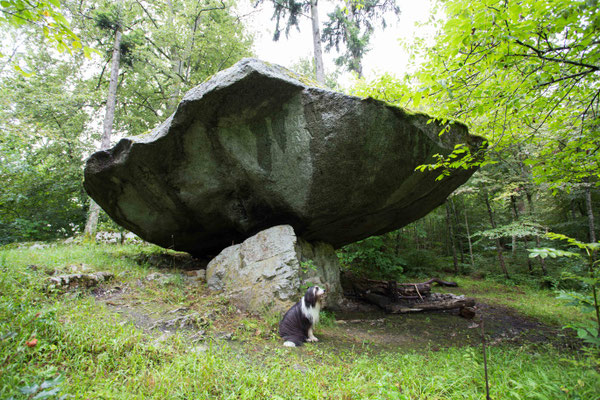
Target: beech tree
113 24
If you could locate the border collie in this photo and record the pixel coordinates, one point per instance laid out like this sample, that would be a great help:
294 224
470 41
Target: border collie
296 326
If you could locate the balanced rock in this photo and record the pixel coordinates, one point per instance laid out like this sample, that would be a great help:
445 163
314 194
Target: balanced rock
272 268
258 145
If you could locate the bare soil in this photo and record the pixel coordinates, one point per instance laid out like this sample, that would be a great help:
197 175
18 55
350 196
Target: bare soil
208 316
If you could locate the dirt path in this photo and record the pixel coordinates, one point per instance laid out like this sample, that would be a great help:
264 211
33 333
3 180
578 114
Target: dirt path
207 316
435 330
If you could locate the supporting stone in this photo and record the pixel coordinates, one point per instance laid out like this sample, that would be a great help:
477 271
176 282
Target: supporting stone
273 268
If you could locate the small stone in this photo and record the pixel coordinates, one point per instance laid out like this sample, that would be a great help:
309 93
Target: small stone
158 277
225 336
198 274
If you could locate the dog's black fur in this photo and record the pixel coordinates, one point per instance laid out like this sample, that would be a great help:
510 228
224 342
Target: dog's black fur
295 324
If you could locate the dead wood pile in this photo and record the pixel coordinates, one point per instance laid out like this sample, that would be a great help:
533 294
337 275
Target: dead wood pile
396 298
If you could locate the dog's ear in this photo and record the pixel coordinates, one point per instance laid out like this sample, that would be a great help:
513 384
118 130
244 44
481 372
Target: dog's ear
310 298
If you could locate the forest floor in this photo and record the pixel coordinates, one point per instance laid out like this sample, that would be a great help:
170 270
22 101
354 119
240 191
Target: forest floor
425 331
157 332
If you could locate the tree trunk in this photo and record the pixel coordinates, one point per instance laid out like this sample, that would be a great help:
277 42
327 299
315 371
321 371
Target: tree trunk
537 238
590 212
417 245
469 237
92 222
397 243
513 203
498 246
319 69
458 236
452 241
515 212
397 298
176 65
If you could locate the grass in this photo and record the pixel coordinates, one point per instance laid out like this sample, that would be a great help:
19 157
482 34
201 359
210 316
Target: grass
540 304
88 349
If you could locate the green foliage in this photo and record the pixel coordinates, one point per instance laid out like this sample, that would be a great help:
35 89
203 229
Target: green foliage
550 252
307 266
290 9
48 122
588 331
518 229
42 151
371 257
45 17
520 74
421 262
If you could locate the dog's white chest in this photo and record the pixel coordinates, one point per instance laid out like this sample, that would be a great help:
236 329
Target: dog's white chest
312 313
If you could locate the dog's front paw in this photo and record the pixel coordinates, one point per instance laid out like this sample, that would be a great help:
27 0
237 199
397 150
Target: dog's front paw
312 339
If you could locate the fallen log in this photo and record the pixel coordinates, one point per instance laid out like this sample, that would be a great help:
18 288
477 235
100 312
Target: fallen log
357 286
441 282
396 298
447 302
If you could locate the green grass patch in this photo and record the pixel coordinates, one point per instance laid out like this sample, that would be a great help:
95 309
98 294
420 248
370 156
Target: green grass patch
540 304
86 350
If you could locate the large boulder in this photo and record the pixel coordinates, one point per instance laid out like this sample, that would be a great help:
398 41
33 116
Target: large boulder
272 268
257 146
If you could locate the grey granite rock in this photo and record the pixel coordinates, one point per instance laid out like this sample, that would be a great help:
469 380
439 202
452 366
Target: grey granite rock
273 268
257 146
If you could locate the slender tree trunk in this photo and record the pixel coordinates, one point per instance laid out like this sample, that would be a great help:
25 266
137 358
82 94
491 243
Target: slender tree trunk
452 241
176 64
498 245
397 243
469 240
460 242
537 237
429 235
515 213
590 212
592 258
320 70
92 222
417 245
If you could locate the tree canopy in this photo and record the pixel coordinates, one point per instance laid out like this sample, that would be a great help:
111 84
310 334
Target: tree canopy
522 74
50 121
